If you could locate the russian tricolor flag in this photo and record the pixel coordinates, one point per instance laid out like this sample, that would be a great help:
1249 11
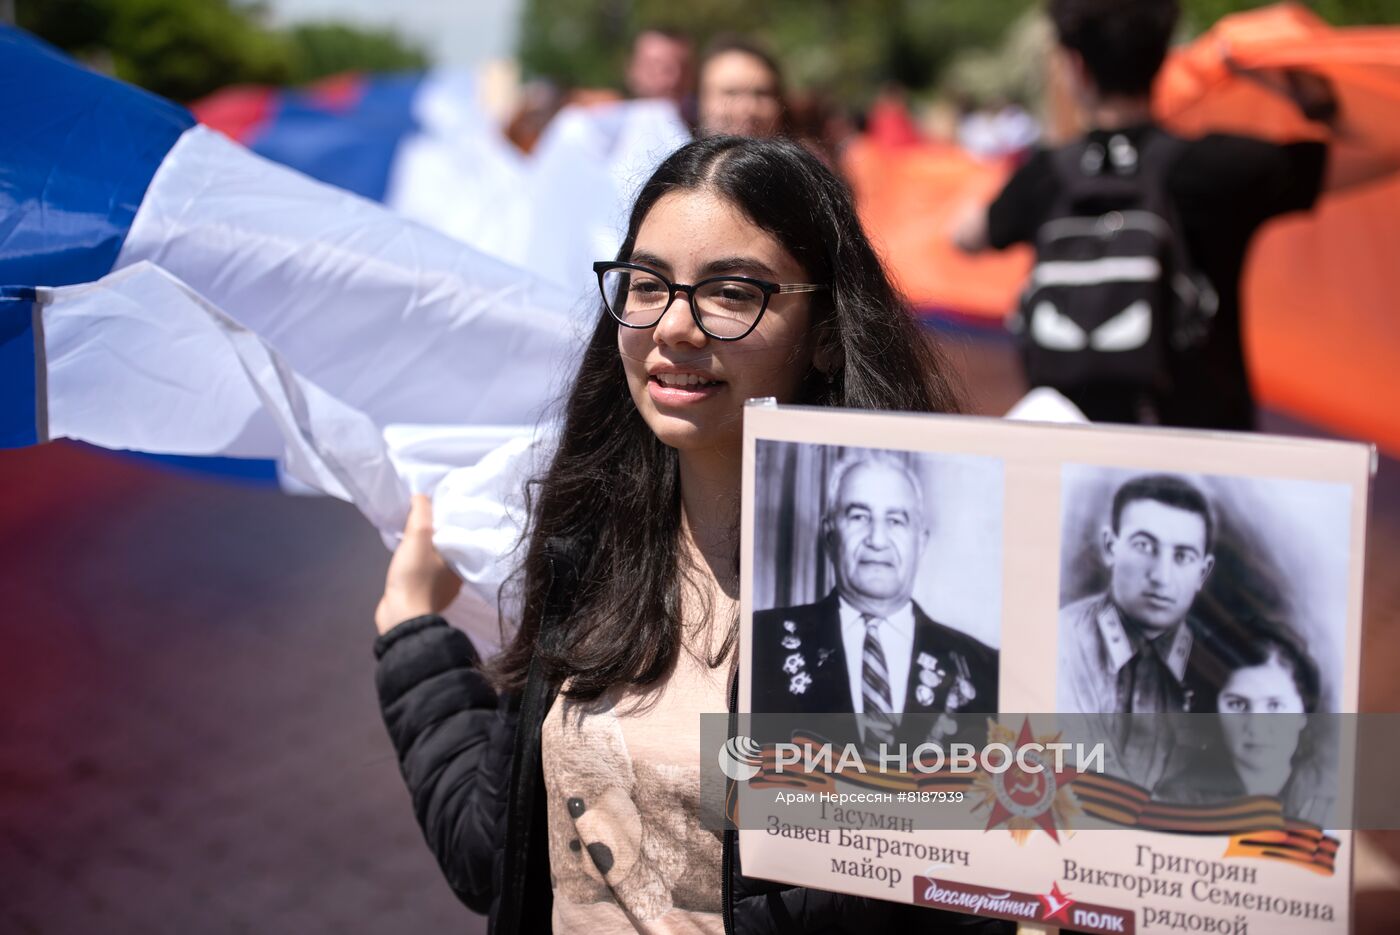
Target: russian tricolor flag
165 290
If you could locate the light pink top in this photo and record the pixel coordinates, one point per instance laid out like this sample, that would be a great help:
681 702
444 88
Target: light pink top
627 850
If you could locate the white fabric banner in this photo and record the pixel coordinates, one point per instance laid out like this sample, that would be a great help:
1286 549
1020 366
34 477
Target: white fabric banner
586 171
398 321
552 212
141 361
459 174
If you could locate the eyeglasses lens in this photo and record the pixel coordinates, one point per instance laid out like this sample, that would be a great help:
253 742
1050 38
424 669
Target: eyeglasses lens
727 307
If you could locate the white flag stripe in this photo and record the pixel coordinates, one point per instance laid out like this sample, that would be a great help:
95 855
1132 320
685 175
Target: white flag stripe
223 385
203 384
552 212
401 322
584 175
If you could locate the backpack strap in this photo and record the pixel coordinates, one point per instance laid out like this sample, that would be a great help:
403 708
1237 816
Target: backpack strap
1197 300
1098 174
1158 154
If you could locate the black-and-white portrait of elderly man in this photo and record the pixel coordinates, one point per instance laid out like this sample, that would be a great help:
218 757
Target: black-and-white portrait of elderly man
867 647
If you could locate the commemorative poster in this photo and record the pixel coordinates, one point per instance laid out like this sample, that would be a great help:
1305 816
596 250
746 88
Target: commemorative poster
1080 677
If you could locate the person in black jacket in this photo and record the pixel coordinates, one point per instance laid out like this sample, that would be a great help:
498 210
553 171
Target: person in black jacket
1221 187
558 784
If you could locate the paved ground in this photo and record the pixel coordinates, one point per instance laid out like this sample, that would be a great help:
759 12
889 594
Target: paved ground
188 735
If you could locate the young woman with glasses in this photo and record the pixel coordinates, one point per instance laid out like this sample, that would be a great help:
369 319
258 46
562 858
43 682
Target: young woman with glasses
559 783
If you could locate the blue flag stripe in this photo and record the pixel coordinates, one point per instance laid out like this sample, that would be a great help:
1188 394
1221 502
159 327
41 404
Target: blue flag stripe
353 149
22 419
257 472
80 152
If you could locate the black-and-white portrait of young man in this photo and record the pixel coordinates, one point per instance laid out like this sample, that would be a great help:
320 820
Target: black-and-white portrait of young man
854 538
1198 594
1127 649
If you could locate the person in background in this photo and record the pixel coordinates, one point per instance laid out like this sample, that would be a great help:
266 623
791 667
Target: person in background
539 101
741 90
1266 687
1223 188
818 122
662 66
888 121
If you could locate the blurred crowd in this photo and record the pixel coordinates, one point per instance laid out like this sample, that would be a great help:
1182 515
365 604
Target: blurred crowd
1182 360
735 85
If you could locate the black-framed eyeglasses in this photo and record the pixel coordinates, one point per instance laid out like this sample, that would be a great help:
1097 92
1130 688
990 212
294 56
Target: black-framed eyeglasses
726 308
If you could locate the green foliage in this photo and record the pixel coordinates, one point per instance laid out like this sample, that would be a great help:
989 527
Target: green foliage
69 24
578 43
845 46
946 29
1201 13
329 48
184 49
849 47
1358 12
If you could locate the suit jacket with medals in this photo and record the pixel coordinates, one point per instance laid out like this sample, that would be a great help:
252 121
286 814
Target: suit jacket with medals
800 666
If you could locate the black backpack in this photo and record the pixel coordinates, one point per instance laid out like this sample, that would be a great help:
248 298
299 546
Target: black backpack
1112 297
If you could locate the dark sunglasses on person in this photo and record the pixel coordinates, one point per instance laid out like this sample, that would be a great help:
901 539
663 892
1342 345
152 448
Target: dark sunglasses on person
726 308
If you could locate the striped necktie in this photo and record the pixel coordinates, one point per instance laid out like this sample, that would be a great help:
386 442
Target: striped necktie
880 721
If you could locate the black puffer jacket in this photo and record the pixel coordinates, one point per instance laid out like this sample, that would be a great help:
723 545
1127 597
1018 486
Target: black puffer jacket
471 759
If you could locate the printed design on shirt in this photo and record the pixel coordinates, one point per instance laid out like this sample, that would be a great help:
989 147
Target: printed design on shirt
617 830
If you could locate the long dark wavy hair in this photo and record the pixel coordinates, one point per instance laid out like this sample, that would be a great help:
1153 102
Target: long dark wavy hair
612 491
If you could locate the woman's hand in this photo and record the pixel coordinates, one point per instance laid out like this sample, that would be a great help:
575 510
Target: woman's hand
419 581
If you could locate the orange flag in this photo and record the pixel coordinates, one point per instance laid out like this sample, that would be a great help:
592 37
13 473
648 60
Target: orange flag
908 198
1320 290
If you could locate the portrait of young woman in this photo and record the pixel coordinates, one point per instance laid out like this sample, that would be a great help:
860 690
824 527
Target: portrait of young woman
558 783
1262 740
